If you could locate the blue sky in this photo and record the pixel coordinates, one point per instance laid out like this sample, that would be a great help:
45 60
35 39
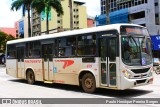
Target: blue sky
8 17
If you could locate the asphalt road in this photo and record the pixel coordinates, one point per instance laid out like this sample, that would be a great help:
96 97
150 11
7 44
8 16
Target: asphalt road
17 88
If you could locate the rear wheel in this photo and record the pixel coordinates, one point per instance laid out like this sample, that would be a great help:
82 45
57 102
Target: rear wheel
30 77
88 83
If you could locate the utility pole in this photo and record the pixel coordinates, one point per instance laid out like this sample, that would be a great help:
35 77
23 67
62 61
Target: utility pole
71 15
107 12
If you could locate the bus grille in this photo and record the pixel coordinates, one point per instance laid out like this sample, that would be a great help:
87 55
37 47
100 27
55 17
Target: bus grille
136 71
141 81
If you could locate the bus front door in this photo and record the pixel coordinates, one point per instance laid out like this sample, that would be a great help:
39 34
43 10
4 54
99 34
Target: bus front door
47 54
20 58
108 50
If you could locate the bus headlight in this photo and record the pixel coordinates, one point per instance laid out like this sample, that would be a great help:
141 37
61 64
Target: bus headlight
150 74
126 74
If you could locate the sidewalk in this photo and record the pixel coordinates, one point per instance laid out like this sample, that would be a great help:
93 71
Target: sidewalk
2 65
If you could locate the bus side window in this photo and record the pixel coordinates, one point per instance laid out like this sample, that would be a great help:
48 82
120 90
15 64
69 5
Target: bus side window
11 51
71 46
61 48
33 50
87 45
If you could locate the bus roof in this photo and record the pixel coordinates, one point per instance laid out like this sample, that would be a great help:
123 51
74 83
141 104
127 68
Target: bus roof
69 33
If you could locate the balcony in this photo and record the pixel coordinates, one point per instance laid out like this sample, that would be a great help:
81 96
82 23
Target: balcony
139 21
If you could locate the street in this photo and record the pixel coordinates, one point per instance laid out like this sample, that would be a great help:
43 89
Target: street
17 88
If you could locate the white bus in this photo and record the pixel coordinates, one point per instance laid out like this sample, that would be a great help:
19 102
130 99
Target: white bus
117 56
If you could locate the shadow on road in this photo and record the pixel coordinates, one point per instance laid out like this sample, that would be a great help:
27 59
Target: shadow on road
129 93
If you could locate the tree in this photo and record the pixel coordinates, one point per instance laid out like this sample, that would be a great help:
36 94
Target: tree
46 5
25 5
71 15
3 40
107 12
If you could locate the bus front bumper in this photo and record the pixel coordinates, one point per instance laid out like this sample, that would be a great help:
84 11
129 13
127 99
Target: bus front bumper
130 83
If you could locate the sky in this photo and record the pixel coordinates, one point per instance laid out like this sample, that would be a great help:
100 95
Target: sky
8 17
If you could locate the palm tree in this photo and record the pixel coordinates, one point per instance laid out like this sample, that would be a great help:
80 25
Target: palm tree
41 5
107 12
25 5
71 15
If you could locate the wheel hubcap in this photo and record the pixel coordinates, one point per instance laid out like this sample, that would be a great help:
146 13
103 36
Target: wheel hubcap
88 83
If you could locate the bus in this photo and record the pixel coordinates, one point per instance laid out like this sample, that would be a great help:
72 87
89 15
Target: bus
116 56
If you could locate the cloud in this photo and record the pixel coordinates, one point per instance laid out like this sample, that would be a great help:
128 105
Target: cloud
8 17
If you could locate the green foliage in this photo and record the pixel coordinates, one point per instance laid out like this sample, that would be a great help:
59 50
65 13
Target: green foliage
3 40
26 6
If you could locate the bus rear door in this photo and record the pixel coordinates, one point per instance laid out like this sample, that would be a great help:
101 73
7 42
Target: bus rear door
47 55
20 61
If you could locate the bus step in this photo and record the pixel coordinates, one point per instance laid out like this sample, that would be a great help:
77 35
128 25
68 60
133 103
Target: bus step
49 82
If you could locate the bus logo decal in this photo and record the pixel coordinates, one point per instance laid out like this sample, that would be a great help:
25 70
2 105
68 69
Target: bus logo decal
67 63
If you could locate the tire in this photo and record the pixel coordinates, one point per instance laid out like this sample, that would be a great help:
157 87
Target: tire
30 77
88 83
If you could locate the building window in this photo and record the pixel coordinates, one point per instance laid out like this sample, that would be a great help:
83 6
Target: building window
58 15
156 4
77 22
137 15
146 1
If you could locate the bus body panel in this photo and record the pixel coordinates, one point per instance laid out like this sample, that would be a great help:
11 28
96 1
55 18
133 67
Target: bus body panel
36 66
20 70
65 70
11 67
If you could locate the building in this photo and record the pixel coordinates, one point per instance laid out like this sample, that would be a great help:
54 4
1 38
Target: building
60 22
9 31
142 12
156 45
22 27
36 23
90 21
16 24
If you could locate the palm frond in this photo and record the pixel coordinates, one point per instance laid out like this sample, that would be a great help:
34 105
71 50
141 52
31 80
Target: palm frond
16 5
39 5
56 4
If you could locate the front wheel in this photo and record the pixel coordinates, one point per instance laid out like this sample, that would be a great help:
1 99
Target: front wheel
88 83
30 77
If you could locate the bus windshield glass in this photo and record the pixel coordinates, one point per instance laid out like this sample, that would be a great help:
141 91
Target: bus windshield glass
136 46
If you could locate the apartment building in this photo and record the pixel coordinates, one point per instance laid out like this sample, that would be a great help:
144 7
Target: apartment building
36 23
58 22
142 12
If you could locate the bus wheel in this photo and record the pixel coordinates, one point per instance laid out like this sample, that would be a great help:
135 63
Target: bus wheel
30 77
88 83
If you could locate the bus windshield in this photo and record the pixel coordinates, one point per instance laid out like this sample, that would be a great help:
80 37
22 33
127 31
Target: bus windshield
136 49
